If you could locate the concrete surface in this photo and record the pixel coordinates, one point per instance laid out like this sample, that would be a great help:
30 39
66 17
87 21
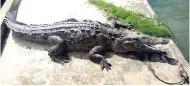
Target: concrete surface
25 62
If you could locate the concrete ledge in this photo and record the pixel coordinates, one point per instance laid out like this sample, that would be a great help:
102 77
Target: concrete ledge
152 13
26 62
178 55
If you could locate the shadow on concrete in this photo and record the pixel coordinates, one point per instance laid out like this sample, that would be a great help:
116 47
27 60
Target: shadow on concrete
152 57
4 35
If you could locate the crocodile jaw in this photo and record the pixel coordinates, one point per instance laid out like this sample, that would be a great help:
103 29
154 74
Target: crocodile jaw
150 40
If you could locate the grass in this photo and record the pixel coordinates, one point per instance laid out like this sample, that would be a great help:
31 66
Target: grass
141 24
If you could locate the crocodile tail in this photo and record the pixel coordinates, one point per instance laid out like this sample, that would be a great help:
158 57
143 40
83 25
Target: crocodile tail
12 12
11 15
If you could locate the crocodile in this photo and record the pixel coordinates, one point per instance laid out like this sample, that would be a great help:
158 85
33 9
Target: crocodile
86 35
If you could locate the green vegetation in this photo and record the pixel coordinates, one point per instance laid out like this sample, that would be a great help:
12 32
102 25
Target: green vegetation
141 23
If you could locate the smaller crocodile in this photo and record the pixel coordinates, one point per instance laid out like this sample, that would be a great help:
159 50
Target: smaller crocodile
86 35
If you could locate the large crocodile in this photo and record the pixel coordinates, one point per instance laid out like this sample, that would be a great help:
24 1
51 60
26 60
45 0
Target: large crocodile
72 35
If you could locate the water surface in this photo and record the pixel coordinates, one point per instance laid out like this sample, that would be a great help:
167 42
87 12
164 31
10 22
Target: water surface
175 14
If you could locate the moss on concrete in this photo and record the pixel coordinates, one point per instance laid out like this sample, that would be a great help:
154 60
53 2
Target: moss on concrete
141 23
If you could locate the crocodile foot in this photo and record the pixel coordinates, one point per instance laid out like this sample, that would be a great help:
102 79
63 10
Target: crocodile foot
105 64
57 49
97 57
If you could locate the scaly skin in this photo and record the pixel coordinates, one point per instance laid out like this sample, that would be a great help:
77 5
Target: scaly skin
72 35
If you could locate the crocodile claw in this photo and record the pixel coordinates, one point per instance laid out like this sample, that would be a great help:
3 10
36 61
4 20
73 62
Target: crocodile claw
105 64
66 59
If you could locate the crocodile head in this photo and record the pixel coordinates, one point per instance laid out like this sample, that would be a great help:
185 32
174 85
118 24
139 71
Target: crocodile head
137 43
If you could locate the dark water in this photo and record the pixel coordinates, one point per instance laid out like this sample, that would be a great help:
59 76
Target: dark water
175 14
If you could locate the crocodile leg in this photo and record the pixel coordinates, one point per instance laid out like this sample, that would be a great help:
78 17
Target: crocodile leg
59 49
119 24
96 55
123 25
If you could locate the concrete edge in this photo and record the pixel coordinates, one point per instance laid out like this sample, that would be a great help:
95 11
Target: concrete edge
173 45
179 55
149 8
